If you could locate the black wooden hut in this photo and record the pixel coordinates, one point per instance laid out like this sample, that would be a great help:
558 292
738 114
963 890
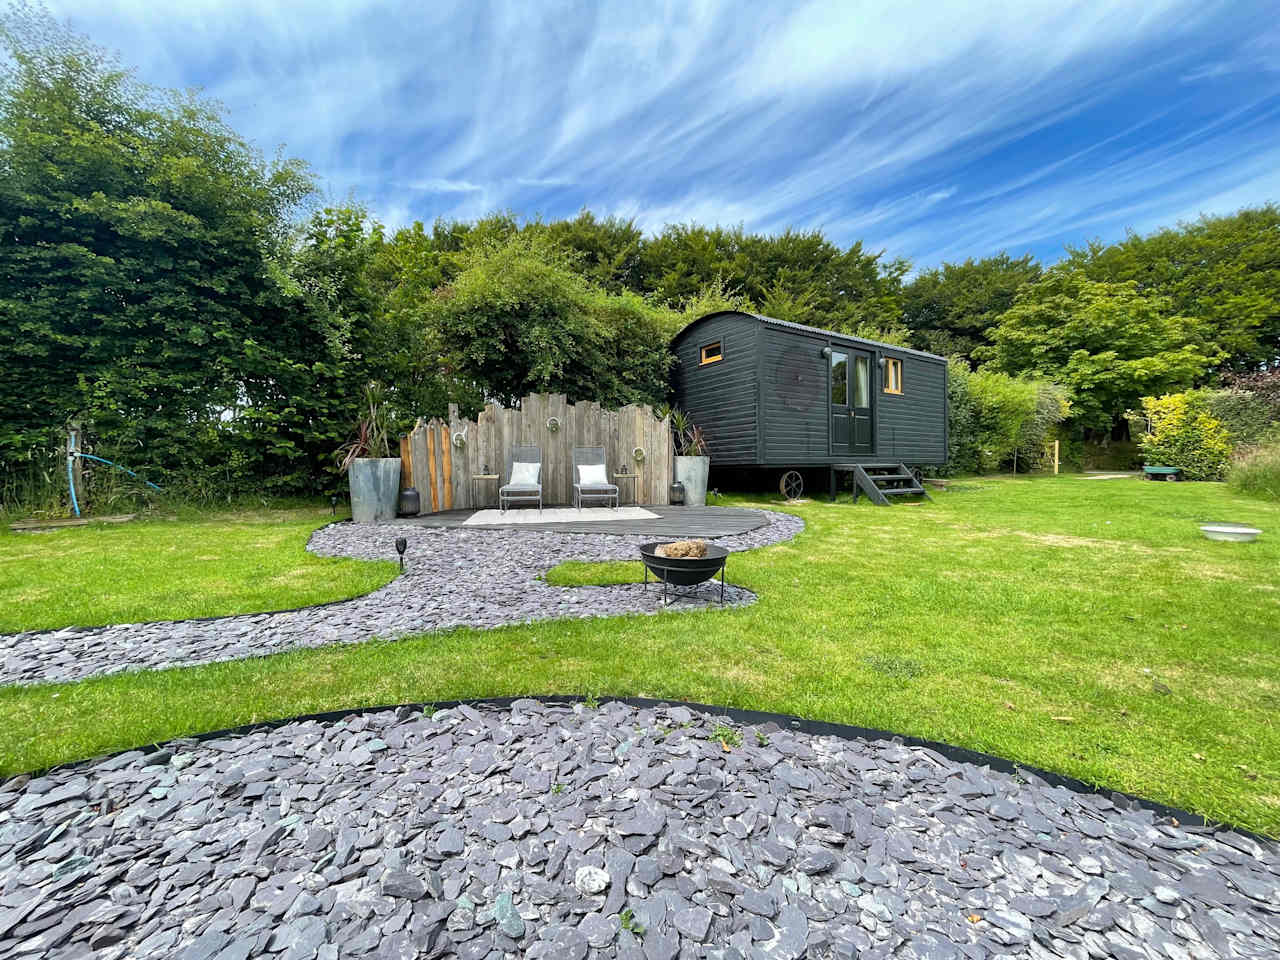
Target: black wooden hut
770 394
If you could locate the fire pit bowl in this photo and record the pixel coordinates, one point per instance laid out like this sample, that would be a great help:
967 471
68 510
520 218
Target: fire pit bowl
683 571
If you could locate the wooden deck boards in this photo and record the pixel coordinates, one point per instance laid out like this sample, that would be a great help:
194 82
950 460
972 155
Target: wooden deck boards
669 522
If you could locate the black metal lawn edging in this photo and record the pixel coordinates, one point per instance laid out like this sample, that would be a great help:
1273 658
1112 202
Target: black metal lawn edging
814 728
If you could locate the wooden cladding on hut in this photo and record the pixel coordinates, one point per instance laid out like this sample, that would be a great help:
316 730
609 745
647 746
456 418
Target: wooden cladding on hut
458 465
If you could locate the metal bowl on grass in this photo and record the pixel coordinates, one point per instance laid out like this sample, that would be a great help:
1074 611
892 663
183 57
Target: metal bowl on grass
1234 532
683 571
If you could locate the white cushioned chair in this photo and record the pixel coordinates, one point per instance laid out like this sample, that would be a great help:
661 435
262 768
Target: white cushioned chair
591 477
524 478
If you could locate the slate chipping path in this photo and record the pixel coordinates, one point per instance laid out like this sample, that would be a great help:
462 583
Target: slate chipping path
530 832
454 577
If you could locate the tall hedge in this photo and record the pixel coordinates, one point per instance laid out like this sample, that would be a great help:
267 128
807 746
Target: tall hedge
136 281
1000 422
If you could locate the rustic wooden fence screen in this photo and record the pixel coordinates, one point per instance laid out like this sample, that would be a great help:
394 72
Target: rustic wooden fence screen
457 465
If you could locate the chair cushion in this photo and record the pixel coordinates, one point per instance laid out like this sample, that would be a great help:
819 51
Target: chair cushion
593 475
525 474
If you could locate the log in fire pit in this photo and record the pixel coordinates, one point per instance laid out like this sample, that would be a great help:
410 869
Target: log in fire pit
683 571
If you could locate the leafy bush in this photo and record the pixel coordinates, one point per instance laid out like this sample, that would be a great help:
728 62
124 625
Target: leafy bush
999 421
1182 433
1249 416
1256 471
517 319
1263 384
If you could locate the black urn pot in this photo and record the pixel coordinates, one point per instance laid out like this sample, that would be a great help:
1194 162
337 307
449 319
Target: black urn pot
410 504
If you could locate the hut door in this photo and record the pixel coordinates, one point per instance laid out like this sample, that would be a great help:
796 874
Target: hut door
841 414
860 404
850 404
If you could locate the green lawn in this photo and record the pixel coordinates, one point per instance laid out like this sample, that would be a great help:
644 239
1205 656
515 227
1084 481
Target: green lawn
1079 625
167 568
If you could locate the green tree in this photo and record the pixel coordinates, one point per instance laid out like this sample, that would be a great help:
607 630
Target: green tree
950 309
1106 342
1222 270
518 320
606 251
138 244
407 270
799 273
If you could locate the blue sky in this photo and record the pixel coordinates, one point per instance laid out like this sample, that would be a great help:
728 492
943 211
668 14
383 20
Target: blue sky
936 130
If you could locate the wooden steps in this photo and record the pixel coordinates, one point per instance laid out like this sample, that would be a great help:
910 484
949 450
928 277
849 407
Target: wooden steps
881 481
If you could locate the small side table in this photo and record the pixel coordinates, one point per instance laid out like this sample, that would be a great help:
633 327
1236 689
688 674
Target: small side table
480 476
633 477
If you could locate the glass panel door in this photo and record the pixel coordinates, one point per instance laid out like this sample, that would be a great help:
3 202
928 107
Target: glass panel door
841 417
860 405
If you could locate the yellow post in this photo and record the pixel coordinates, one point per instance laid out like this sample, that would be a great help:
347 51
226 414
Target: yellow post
1055 458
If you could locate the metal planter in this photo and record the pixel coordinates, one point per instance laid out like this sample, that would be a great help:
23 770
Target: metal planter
375 489
692 472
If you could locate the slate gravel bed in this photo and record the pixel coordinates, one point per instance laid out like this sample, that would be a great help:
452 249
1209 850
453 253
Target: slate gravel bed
454 577
561 832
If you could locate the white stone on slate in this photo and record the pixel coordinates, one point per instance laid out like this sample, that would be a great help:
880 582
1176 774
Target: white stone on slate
590 881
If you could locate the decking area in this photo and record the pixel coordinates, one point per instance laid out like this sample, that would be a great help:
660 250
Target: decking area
667 522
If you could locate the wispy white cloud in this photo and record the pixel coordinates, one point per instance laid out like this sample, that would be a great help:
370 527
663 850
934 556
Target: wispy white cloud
935 128
443 185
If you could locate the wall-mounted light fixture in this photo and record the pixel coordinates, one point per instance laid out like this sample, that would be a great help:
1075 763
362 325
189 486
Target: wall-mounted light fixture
826 353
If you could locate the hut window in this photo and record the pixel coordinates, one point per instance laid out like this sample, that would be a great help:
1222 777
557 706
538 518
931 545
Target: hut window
892 375
711 353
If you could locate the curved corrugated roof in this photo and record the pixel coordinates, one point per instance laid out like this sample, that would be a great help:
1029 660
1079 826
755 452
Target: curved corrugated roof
802 328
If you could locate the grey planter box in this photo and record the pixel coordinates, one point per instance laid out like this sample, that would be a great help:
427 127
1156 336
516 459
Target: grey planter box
375 489
692 473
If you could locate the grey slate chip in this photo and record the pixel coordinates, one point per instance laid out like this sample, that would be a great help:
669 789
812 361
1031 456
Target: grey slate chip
427 851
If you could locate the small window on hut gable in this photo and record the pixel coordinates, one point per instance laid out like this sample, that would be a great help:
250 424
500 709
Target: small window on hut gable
892 375
711 353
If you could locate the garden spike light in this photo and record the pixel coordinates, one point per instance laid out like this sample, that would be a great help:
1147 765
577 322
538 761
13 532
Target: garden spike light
401 546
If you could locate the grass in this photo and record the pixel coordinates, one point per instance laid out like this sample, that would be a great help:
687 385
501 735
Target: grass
1078 625
173 567
1257 472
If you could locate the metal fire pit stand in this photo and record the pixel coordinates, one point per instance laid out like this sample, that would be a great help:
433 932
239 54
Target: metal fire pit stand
688 591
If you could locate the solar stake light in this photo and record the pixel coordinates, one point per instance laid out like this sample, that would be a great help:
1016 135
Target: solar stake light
333 505
401 546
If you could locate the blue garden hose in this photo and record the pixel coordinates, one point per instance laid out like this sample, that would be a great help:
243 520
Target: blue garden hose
72 453
71 483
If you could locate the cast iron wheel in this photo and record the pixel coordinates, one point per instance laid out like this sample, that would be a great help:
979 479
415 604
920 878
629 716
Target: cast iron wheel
918 474
791 485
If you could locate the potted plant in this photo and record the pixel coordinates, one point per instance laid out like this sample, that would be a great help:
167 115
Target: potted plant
373 473
692 462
